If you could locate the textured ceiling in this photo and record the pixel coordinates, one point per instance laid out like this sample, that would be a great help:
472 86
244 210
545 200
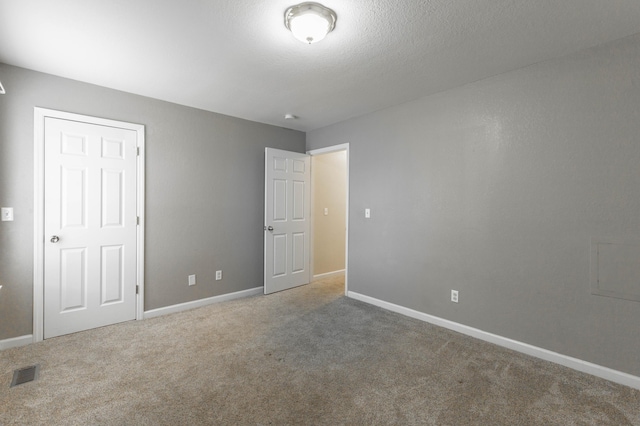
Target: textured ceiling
237 58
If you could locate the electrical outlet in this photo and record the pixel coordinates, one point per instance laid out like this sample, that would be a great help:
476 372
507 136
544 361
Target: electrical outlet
7 214
192 280
218 275
454 296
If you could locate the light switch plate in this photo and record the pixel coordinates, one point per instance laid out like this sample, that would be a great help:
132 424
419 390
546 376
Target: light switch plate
192 280
7 214
367 213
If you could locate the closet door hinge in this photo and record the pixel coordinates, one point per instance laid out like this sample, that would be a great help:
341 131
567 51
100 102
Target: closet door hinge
137 220
137 289
137 150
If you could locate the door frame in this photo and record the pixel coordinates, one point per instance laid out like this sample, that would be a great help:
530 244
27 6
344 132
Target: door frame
38 208
327 150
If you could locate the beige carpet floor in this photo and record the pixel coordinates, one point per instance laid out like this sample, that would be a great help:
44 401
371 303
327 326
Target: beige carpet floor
304 356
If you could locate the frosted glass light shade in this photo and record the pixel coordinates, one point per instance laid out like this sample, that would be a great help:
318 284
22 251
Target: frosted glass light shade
310 22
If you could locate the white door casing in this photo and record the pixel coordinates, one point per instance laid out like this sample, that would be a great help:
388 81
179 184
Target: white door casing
287 224
88 200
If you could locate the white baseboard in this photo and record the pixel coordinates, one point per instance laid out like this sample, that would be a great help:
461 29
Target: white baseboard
547 355
202 302
16 341
328 275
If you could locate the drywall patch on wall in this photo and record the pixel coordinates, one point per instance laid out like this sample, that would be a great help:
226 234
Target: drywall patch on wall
615 268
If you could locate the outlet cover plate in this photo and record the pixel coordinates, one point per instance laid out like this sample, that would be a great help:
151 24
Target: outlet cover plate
7 214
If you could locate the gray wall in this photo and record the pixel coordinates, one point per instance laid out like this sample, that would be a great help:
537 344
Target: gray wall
204 191
495 189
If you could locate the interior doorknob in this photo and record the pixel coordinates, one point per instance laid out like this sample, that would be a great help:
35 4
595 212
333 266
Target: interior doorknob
55 239
270 228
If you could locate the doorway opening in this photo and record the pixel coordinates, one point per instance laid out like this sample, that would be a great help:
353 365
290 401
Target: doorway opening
329 254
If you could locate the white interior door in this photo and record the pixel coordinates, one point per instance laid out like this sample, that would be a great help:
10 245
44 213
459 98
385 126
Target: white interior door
287 224
89 226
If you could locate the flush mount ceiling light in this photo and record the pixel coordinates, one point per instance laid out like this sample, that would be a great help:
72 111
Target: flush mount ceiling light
310 22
